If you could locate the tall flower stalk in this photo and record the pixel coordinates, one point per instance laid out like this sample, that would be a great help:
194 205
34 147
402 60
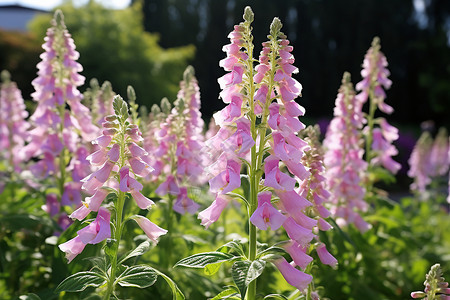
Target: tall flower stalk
345 166
378 132
435 286
13 127
59 135
258 135
176 149
119 162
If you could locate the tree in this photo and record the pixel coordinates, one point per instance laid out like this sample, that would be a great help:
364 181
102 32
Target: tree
113 46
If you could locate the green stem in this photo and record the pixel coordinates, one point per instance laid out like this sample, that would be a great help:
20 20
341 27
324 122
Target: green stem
168 237
115 248
370 124
119 206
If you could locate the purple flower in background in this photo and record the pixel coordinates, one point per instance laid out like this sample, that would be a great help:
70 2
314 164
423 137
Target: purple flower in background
13 126
345 167
375 79
61 125
175 145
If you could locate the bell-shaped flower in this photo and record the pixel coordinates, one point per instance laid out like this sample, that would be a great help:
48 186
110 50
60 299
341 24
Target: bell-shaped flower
140 167
325 256
141 201
298 254
127 182
213 212
275 178
184 204
291 202
241 141
94 202
227 180
98 230
170 186
266 215
72 248
292 275
80 213
152 230
297 232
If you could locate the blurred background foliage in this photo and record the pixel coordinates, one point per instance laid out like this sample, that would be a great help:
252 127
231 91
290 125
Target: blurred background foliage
113 46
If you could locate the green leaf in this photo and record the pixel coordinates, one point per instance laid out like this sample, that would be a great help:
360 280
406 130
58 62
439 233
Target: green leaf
244 272
202 260
80 281
177 294
226 294
232 245
276 297
98 264
137 276
272 250
141 249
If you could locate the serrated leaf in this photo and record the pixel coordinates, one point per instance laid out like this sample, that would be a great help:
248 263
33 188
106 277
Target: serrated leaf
138 276
80 281
177 294
244 272
201 260
141 249
238 272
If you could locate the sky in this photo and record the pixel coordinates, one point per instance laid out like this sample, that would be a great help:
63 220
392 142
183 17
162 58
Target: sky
49 4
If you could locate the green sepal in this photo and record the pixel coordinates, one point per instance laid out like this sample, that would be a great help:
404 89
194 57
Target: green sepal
120 108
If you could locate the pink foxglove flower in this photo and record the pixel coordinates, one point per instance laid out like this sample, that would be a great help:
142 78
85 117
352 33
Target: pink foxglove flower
429 160
152 230
439 159
213 212
298 254
176 145
375 80
94 233
266 215
118 149
13 127
325 256
435 286
61 125
345 167
292 275
258 129
420 167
